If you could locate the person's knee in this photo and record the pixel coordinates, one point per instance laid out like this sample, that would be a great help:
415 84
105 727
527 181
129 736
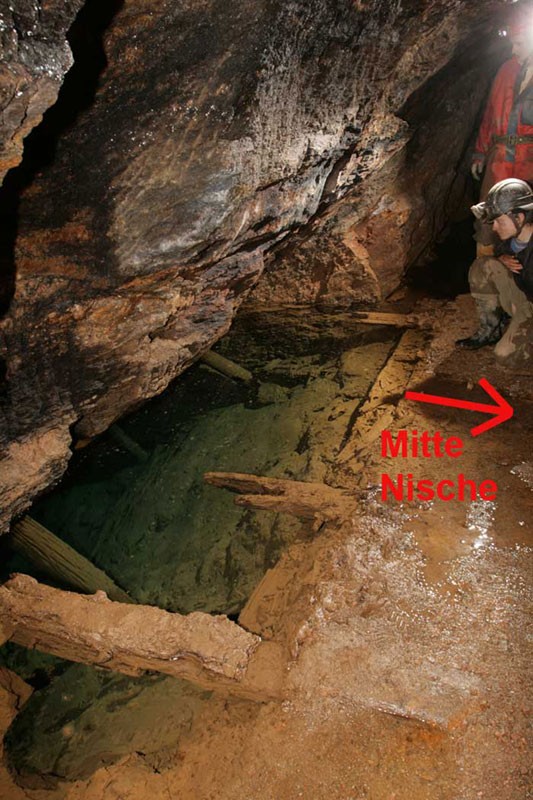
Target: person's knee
480 275
515 348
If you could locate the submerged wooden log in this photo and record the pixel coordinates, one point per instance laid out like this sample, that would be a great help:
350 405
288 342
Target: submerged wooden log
227 367
287 505
391 318
210 651
60 561
125 441
386 318
300 498
246 483
380 407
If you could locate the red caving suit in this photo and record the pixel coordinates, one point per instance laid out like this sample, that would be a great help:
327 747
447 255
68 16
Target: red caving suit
510 115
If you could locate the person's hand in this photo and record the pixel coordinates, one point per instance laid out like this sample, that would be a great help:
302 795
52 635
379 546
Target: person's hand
512 263
477 167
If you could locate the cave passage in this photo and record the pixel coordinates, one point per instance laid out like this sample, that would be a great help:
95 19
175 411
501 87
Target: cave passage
285 184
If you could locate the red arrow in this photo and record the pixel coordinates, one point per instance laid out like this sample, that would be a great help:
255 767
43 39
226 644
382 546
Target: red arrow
501 412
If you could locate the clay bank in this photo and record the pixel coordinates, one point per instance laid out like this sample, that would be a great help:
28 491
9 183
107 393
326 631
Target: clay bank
266 527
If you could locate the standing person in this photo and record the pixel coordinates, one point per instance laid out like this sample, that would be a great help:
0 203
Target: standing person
504 146
504 283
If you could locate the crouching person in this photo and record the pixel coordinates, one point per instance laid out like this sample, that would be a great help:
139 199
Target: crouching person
502 285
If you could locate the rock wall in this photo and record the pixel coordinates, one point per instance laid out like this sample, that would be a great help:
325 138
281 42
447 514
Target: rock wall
369 231
34 56
218 132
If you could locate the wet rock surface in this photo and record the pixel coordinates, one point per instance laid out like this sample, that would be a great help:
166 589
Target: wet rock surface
34 56
63 729
356 249
215 134
14 692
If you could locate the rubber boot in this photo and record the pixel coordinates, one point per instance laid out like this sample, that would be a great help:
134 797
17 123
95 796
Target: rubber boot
492 323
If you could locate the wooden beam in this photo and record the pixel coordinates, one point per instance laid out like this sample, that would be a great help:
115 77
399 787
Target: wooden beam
129 444
380 408
300 498
392 318
59 561
226 367
386 318
210 651
286 505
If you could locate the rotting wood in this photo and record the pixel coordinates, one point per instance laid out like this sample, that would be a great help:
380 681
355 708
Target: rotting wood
380 408
287 505
299 498
246 483
391 318
386 318
129 444
210 651
227 367
60 561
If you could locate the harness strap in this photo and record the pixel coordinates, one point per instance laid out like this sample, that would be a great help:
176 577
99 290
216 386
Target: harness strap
512 139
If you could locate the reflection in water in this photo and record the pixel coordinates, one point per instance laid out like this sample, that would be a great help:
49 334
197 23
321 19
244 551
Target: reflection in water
480 518
524 471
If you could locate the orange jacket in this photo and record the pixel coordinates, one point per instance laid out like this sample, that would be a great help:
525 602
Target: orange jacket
507 114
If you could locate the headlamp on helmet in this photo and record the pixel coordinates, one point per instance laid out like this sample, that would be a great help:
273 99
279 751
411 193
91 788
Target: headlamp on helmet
506 197
520 24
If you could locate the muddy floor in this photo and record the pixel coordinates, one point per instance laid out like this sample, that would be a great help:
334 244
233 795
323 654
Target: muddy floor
406 626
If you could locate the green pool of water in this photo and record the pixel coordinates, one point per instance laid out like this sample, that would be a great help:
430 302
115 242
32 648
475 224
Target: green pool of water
169 539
